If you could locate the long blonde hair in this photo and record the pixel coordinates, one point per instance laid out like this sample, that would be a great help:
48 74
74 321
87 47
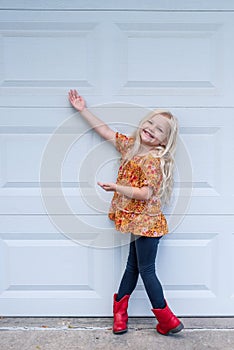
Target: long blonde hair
165 153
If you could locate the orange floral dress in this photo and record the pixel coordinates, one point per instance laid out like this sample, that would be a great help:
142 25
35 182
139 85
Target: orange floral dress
140 217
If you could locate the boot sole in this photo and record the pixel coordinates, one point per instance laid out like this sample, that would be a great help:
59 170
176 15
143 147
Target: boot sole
174 330
121 332
177 329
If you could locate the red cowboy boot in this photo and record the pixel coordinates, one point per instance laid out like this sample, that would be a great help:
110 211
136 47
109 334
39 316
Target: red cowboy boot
167 321
120 315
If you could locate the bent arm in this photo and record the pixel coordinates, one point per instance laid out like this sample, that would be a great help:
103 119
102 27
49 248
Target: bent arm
143 193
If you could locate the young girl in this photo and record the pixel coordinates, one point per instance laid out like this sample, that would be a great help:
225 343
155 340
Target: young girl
144 181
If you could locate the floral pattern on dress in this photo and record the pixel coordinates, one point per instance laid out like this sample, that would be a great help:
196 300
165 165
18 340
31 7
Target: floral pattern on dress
140 217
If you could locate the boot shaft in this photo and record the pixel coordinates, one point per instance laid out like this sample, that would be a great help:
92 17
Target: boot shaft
121 305
120 314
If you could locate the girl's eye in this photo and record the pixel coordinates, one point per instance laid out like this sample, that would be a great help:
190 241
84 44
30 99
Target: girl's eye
160 129
150 121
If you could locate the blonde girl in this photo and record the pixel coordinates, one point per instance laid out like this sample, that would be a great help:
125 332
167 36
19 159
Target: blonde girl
144 181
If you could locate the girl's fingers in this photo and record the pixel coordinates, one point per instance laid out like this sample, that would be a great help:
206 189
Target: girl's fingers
107 186
73 93
102 185
73 96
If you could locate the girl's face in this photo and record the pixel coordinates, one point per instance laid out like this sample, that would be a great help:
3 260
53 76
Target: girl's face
155 131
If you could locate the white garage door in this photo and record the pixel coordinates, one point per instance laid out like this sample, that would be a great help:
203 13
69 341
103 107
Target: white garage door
145 55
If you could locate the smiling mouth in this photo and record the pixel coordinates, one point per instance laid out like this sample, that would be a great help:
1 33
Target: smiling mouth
147 133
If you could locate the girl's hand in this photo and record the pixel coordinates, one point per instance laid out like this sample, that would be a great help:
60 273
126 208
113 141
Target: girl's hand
76 100
109 186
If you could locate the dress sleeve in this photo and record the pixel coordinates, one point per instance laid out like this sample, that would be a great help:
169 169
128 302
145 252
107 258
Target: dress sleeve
152 173
122 143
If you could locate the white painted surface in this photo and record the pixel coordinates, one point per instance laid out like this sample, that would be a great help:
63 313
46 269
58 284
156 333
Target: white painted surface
179 60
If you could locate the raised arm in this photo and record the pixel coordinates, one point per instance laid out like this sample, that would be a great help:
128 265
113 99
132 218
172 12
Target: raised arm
97 124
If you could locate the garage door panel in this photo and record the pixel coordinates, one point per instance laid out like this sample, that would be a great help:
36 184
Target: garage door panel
22 150
174 73
34 258
51 269
22 158
183 57
44 56
177 272
206 134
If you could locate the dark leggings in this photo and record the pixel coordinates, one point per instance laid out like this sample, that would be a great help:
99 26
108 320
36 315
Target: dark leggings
141 260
